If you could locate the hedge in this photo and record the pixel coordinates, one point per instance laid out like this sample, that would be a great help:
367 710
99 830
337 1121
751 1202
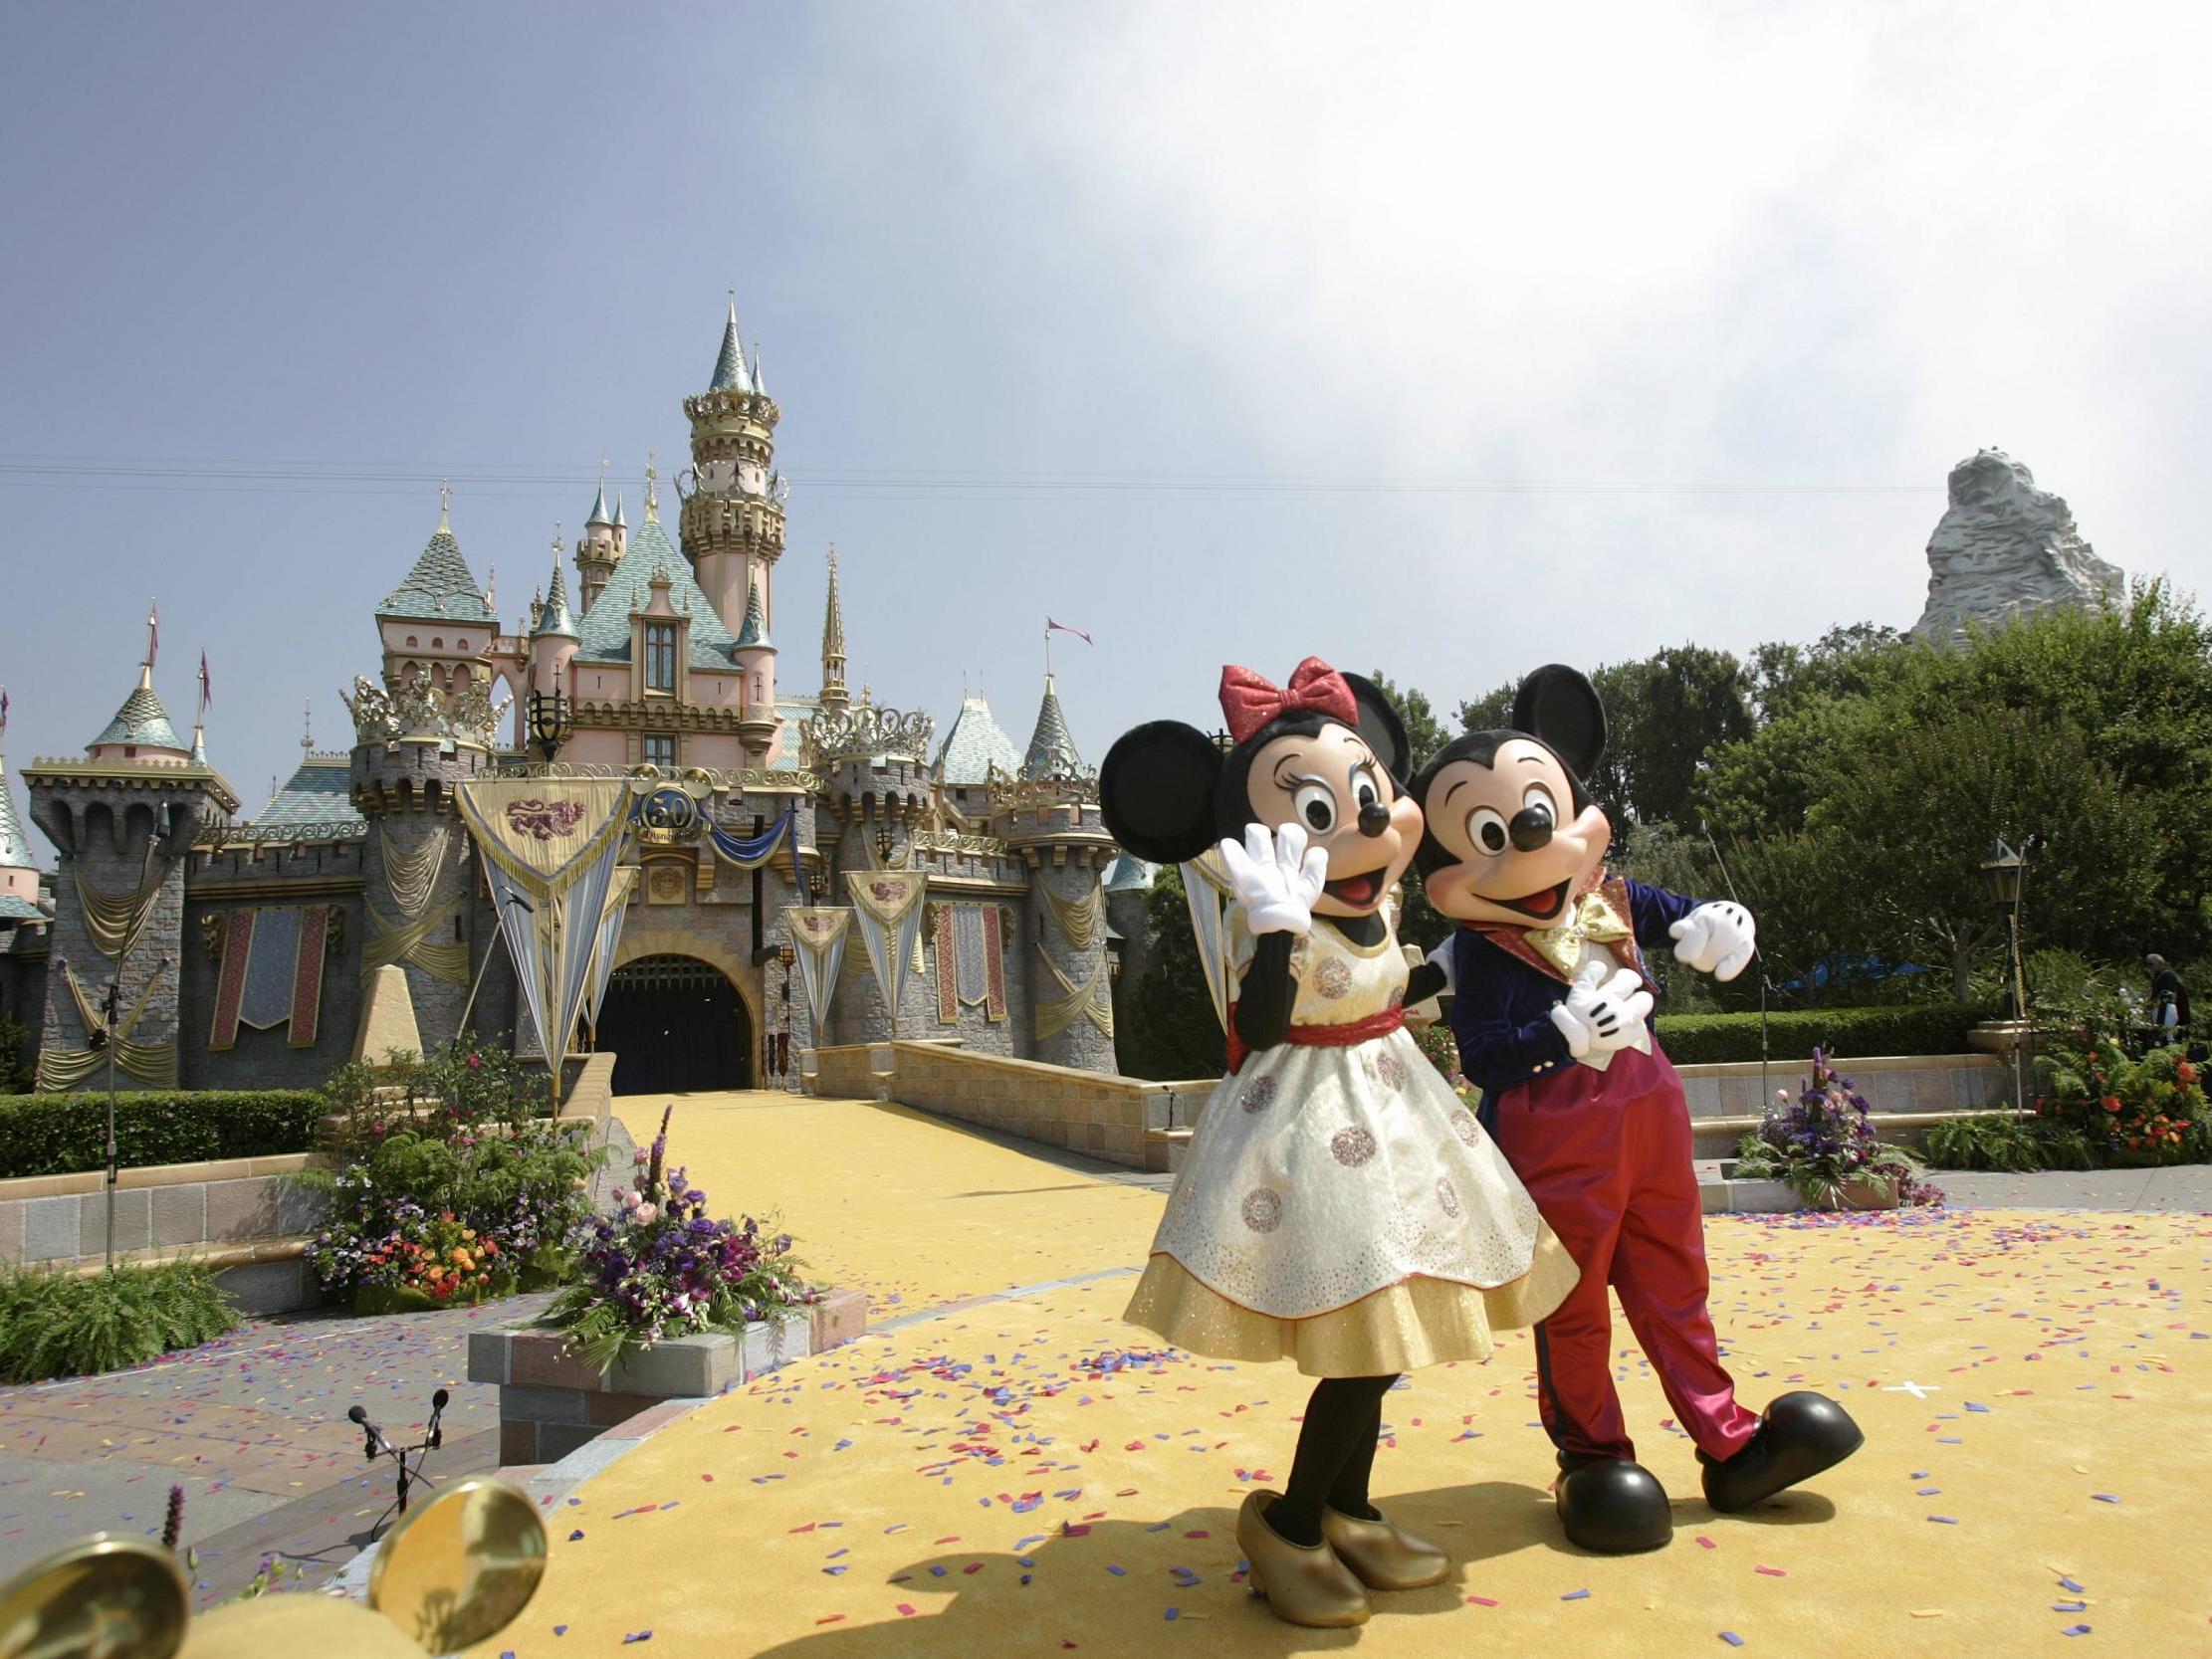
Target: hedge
1853 1033
61 1134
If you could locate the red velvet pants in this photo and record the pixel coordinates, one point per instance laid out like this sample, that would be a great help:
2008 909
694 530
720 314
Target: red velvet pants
1606 1157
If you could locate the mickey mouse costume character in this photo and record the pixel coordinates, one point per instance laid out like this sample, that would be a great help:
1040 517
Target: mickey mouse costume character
1551 1005
1339 1206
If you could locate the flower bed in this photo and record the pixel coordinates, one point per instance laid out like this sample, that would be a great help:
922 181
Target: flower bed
469 1199
660 1266
1824 1146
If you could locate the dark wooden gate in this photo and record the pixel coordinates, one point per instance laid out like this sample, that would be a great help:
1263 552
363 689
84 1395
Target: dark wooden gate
675 1024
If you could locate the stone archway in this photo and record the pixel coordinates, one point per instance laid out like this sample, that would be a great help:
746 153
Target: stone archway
643 937
676 1025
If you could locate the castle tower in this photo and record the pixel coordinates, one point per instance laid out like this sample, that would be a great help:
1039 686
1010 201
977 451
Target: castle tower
755 654
553 639
1049 815
876 761
437 625
123 820
600 550
833 699
732 525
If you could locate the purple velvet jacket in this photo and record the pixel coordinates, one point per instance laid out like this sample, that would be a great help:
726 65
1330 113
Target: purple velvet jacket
1501 1004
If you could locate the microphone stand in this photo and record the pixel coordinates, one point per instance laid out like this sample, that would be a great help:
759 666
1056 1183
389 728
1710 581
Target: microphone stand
374 1445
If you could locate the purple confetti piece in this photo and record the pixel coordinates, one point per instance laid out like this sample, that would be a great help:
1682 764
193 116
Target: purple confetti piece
1174 1613
637 1636
2075 1630
2070 1606
1576 1596
1119 1572
2068 1584
1732 1638
2105 1497
1944 1520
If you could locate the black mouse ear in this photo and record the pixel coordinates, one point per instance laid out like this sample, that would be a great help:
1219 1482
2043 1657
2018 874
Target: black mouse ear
1560 704
1155 791
1382 730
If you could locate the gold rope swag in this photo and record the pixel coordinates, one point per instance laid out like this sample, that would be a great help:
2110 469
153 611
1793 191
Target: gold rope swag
153 1064
1082 922
116 920
413 877
1092 1000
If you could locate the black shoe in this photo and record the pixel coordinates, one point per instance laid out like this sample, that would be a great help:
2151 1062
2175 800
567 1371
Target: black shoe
1613 1506
1801 1434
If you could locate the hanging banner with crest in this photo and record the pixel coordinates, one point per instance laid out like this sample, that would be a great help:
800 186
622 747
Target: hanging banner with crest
888 907
550 848
1206 891
818 934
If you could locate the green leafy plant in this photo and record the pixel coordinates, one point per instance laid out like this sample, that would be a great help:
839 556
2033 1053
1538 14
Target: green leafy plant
2147 1111
450 1190
660 1266
15 1045
56 1324
61 1134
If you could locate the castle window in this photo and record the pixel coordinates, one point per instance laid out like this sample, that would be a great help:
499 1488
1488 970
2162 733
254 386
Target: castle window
660 657
437 645
460 645
660 749
410 640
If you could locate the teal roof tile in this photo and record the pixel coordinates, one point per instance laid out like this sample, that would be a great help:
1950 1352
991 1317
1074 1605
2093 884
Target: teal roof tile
556 619
317 796
1051 747
974 746
1128 872
605 629
752 632
729 374
13 908
439 588
141 721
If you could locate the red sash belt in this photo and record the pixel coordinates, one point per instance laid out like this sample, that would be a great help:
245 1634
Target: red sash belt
1383 1024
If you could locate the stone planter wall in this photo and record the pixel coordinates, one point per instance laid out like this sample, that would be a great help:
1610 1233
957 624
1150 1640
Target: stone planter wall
243 1216
552 1402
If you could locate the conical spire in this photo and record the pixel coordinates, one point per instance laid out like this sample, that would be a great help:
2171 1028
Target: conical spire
555 618
1052 749
619 522
142 722
833 644
439 588
599 514
752 632
759 382
729 374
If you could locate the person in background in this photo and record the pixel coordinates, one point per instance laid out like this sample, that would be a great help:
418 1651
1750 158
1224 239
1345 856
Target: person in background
2169 998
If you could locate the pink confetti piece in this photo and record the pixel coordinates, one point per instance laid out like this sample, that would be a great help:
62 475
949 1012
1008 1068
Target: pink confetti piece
1772 1572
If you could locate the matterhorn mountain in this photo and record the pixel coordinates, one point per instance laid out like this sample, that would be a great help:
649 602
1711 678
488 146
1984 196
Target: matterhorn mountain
2005 549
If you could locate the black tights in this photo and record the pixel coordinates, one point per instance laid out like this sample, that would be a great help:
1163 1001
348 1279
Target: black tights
1336 1453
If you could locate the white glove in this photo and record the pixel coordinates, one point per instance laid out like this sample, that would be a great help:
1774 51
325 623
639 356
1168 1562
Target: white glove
1276 877
1716 939
1441 957
1602 1015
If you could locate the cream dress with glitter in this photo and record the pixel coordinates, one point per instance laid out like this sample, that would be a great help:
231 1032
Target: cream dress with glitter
1340 1206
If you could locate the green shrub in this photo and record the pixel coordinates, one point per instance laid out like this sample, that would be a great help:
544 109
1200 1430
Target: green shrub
60 1135
2007 1142
1848 1033
70 1325
15 1044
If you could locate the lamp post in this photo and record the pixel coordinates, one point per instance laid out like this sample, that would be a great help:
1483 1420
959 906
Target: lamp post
550 722
787 957
2006 871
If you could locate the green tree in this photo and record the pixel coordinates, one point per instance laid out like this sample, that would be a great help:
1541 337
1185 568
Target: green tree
1171 1031
1418 922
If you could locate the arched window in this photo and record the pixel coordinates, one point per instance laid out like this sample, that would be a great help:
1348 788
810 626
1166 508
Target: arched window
437 645
660 657
410 642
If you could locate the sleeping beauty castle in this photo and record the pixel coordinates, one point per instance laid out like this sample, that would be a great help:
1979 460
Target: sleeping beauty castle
613 816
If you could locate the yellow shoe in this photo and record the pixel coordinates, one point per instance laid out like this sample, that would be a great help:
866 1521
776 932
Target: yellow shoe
1303 1584
1385 1557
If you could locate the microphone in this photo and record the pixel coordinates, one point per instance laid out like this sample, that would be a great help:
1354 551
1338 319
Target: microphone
372 1437
437 1408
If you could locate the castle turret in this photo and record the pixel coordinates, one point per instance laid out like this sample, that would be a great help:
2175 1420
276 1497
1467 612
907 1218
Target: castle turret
602 547
19 871
437 625
122 820
755 657
1050 816
553 639
731 527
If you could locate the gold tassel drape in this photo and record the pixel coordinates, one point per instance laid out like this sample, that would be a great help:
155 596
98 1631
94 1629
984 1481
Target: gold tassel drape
1082 922
1092 1000
153 1064
412 878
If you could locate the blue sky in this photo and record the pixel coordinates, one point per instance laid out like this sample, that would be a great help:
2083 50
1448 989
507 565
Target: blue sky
1449 340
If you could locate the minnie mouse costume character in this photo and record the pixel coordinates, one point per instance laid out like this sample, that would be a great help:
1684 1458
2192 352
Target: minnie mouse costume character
1551 1006
1339 1208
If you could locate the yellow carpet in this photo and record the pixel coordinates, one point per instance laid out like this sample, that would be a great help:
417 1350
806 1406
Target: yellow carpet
891 1499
